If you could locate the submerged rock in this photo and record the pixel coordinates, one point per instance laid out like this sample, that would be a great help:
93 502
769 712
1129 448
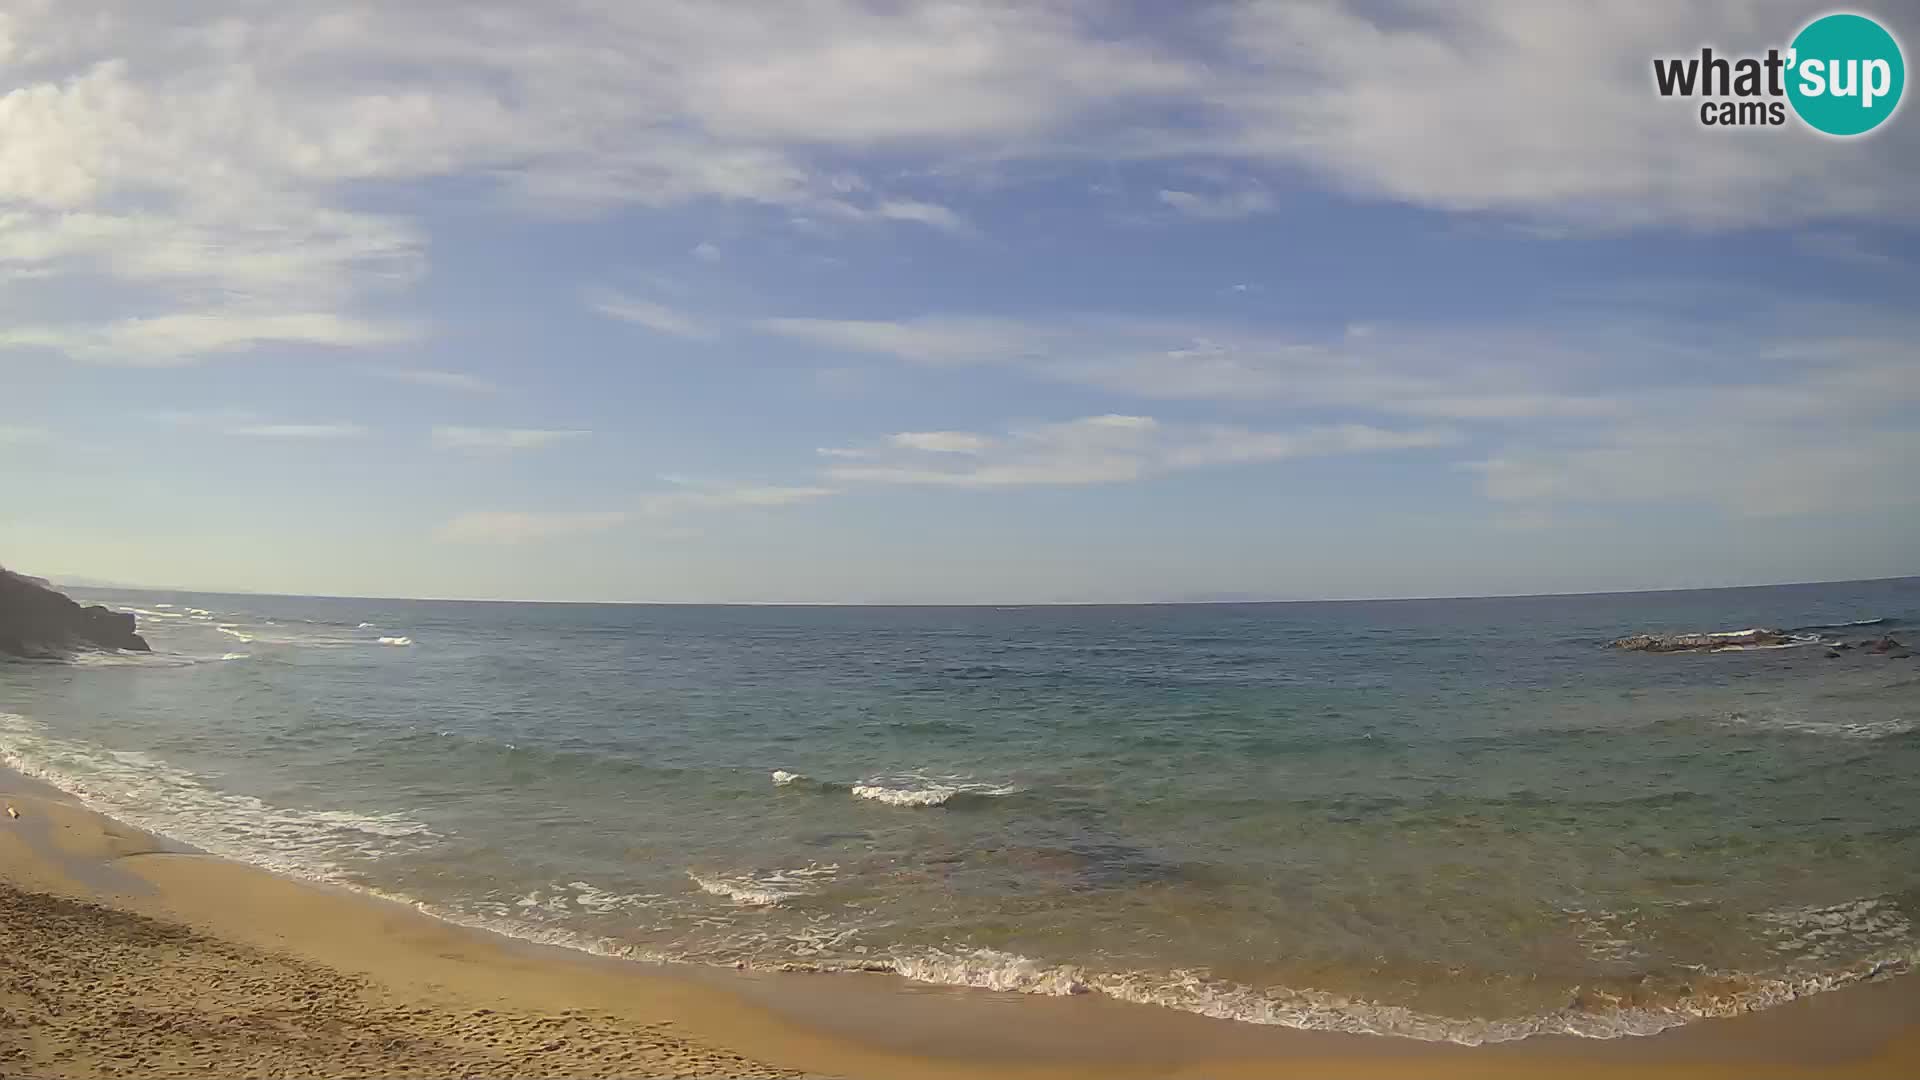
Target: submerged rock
39 623
1662 643
1882 645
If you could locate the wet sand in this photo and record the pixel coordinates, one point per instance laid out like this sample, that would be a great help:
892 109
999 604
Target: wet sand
124 955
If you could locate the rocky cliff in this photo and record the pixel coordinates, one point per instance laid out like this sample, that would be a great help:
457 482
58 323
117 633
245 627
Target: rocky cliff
39 623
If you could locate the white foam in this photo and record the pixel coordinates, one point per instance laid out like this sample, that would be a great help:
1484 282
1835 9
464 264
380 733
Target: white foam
163 605
922 789
396 641
235 656
148 792
1836 932
1313 1010
765 889
136 660
578 896
1833 729
244 637
364 626
783 777
991 969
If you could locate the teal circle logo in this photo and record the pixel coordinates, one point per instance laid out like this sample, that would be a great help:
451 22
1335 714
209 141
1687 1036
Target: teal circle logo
1845 74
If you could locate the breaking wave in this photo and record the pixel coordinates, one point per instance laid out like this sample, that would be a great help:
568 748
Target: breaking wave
924 789
1833 729
766 889
1312 1010
148 792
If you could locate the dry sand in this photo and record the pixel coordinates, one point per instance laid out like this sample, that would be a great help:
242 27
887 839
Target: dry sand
121 955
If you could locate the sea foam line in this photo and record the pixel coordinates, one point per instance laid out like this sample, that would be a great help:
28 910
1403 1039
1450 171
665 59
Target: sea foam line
1312 1010
152 794
126 785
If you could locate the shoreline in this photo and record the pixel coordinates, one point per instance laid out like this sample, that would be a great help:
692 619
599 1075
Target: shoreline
775 1024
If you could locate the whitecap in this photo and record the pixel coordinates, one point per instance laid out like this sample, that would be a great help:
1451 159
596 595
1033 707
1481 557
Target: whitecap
1833 729
231 632
767 888
783 777
396 641
923 789
365 626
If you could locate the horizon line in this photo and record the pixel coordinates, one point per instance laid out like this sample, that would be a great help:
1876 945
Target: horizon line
988 604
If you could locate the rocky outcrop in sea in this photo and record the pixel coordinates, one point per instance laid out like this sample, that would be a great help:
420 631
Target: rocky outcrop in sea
39 623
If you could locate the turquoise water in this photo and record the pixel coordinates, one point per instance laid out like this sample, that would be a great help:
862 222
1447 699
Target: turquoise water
1460 819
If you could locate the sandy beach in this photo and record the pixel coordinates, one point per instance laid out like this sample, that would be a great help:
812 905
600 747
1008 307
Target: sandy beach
129 956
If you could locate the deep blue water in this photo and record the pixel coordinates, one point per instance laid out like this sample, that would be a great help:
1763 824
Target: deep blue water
1461 819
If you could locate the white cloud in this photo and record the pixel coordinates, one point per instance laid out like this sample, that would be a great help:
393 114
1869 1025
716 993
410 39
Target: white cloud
1488 373
298 431
493 438
189 336
1114 448
941 442
706 252
1815 425
698 498
211 162
930 341
653 316
939 217
516 527
1218 207
448 380
1543 110
1735 468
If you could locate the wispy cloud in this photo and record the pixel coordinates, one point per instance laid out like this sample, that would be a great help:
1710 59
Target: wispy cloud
733 497
941 442
188 337
656 512
446 380
298 431
654 316
518 527
1110 448
495 438
932 340
1220 206
18 435
940 217
1819 425
1453 373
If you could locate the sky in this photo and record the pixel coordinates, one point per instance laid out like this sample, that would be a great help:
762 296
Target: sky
957 302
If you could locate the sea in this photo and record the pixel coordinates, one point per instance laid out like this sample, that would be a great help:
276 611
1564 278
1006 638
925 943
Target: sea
1460 820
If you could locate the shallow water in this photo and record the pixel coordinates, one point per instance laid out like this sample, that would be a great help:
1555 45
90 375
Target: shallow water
1461 819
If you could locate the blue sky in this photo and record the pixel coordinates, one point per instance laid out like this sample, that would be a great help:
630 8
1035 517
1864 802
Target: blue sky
955 302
